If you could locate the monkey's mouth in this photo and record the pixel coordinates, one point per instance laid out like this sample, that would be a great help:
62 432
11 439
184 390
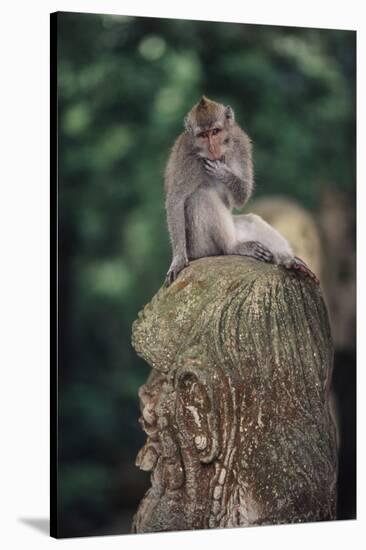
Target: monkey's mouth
220 158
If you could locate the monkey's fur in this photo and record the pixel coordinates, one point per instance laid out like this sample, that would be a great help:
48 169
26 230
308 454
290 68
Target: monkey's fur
209 172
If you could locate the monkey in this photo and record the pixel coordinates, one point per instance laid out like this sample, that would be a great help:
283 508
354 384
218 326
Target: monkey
210 172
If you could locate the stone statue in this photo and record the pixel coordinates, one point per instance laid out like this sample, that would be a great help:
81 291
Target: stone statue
236 408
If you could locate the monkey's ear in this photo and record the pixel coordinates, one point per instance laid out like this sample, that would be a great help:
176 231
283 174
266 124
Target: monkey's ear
229 113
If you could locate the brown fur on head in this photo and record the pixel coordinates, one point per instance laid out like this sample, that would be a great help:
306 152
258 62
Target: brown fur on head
206 112
209 123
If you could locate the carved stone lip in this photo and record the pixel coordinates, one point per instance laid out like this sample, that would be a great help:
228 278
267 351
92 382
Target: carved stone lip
147 456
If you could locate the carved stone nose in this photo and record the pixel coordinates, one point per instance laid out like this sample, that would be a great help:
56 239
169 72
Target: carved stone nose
149 414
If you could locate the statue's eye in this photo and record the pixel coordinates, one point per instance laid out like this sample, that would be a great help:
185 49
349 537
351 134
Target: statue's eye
216 131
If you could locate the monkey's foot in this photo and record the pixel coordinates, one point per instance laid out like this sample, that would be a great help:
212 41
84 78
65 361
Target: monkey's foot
256 250
297 264
261 252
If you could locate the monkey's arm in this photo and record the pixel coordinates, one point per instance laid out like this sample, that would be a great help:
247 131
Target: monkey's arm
177 230
240 186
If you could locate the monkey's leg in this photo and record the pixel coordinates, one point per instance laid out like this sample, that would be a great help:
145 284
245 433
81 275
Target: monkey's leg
299 265
222 235
210 226
250 227
255 249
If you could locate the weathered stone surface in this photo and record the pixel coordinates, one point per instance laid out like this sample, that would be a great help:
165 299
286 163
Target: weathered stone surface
236 408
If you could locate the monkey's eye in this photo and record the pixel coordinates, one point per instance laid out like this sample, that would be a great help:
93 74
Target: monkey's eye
202 135
216 131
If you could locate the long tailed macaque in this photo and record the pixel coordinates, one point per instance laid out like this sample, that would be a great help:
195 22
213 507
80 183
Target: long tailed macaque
209 172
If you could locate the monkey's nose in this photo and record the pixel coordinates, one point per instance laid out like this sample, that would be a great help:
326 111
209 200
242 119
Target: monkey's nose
212 150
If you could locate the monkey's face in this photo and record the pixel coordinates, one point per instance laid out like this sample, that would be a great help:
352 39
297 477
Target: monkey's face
212 142
209 125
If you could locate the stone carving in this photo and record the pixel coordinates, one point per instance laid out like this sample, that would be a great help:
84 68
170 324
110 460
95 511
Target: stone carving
236 408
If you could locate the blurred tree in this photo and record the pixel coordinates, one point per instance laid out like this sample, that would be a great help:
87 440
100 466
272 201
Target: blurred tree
124 85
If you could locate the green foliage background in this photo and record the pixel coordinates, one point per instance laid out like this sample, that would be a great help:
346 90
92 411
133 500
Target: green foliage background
124 86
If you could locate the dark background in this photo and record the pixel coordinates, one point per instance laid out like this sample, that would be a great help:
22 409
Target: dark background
124 86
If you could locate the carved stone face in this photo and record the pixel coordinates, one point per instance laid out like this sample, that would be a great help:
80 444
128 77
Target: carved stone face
178 418
162 506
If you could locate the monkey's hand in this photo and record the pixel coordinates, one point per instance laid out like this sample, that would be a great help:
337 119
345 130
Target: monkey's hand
239 188
218 170
178 263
